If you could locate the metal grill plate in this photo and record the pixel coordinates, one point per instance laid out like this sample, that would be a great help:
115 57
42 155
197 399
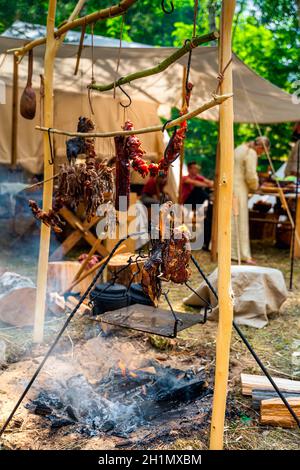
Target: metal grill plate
150 319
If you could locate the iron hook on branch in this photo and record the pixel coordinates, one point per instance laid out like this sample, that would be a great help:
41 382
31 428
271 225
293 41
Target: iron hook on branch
126 94
163 6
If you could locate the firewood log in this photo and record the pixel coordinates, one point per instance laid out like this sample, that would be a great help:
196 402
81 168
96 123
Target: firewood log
275 413
259 395
250 382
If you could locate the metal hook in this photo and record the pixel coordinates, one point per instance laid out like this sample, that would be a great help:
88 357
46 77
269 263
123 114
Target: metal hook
167 12
51 162
165 124
126 94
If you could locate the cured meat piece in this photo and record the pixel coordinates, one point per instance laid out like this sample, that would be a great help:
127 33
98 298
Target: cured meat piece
176 256
28 98
50 218
77 145
122 174
151 283
85 183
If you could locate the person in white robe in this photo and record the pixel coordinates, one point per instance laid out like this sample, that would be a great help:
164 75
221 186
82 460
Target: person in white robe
245 180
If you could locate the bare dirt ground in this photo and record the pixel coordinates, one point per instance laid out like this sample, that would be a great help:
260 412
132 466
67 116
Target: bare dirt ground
195 346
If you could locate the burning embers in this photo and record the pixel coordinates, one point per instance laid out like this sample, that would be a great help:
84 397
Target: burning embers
122 401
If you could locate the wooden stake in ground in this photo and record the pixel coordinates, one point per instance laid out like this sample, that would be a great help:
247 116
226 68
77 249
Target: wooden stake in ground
224 232
182 147
214 234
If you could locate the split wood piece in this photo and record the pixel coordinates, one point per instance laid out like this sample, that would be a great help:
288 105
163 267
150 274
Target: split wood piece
259 395
160 67
258 382
128 272
71 303
58 305
215 101
81 230
274 412
93 269
111 12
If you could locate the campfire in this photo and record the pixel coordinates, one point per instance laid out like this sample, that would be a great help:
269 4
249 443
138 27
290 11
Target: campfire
122 401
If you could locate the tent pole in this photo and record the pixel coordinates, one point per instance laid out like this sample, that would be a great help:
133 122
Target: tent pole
214 236
50 52
182 147
224 235
15 100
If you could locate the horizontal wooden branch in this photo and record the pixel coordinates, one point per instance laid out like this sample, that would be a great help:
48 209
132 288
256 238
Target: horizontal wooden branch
116 10
160 67
215 101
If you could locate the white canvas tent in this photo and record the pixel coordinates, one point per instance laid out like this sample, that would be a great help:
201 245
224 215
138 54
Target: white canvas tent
254 97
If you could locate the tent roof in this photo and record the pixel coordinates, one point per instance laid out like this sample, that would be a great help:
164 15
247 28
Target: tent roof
21 30
255 99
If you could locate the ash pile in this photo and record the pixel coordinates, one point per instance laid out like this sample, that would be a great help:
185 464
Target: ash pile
122 401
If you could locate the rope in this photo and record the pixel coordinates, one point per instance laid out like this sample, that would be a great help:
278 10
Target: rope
220 76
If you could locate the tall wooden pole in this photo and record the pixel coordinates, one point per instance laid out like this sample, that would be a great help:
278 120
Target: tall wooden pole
214 235
48 175
183 102
224 232
15 103
52 45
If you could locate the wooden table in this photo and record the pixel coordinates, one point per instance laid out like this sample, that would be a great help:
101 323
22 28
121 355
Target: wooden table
289 193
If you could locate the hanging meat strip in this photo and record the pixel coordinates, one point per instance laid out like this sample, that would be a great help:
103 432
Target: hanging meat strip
84 183
122 174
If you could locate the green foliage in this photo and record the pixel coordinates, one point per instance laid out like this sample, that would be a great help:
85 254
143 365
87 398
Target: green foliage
266 38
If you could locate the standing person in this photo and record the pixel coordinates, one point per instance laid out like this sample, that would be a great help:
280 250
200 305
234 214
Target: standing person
245 180
196 190
291 167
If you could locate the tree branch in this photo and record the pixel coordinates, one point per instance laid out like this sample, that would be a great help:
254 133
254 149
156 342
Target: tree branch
160 67
215 101
110 12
